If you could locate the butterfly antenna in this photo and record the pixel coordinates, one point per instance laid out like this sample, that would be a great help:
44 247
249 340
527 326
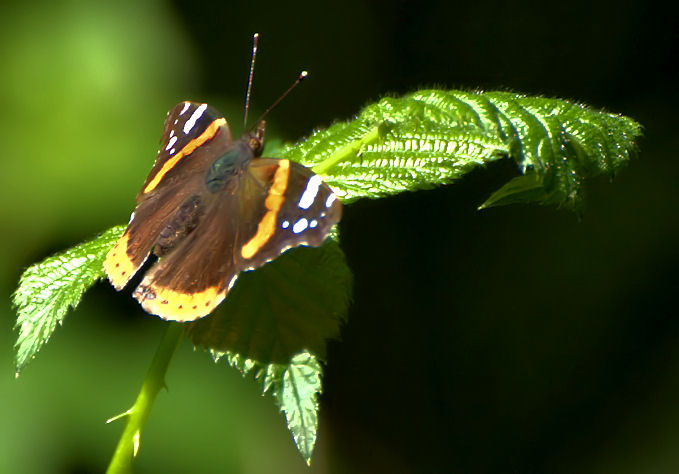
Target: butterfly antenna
302 75
255 42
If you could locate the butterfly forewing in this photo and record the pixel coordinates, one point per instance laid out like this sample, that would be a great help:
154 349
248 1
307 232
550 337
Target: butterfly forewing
299 210
189 126
195 276
192 135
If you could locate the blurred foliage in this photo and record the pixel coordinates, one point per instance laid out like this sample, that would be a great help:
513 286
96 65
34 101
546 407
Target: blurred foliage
83 86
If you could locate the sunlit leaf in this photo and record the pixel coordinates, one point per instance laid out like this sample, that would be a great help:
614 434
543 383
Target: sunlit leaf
295 386
47 290
432 137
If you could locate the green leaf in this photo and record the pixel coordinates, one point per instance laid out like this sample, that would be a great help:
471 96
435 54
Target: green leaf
47 290
433 137
295 386
274 325
298 398
522 189
275 322
293 303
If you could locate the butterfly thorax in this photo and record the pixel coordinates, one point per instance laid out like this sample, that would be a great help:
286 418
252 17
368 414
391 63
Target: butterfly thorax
226 169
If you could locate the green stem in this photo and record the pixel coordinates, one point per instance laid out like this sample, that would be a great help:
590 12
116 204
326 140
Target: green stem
128 444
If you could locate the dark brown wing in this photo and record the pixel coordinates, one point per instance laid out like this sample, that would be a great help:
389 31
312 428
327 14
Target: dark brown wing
188 126
193 136
195 276
299 209
275 205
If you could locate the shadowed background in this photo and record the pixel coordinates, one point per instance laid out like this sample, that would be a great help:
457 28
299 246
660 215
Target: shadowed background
516 339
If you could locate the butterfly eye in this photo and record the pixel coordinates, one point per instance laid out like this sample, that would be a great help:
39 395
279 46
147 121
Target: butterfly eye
256 145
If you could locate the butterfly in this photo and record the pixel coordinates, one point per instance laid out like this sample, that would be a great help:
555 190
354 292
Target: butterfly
211 208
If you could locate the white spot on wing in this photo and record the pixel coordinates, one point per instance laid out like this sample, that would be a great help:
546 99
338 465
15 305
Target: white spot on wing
171 143
186 107
285 224
330 200
191 122
313 223
300 226
310 192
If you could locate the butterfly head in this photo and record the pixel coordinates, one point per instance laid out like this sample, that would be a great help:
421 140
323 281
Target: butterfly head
255 138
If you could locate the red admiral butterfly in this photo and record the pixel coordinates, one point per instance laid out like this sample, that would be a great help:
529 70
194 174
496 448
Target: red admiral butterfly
212 208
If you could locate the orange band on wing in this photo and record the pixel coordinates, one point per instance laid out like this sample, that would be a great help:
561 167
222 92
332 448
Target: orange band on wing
273 203
118 265
189 148
177 306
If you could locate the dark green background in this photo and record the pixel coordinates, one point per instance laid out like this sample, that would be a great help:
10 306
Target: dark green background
516 339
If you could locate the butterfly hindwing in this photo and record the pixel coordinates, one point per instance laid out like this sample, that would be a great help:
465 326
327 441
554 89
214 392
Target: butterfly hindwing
147 222
195 276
